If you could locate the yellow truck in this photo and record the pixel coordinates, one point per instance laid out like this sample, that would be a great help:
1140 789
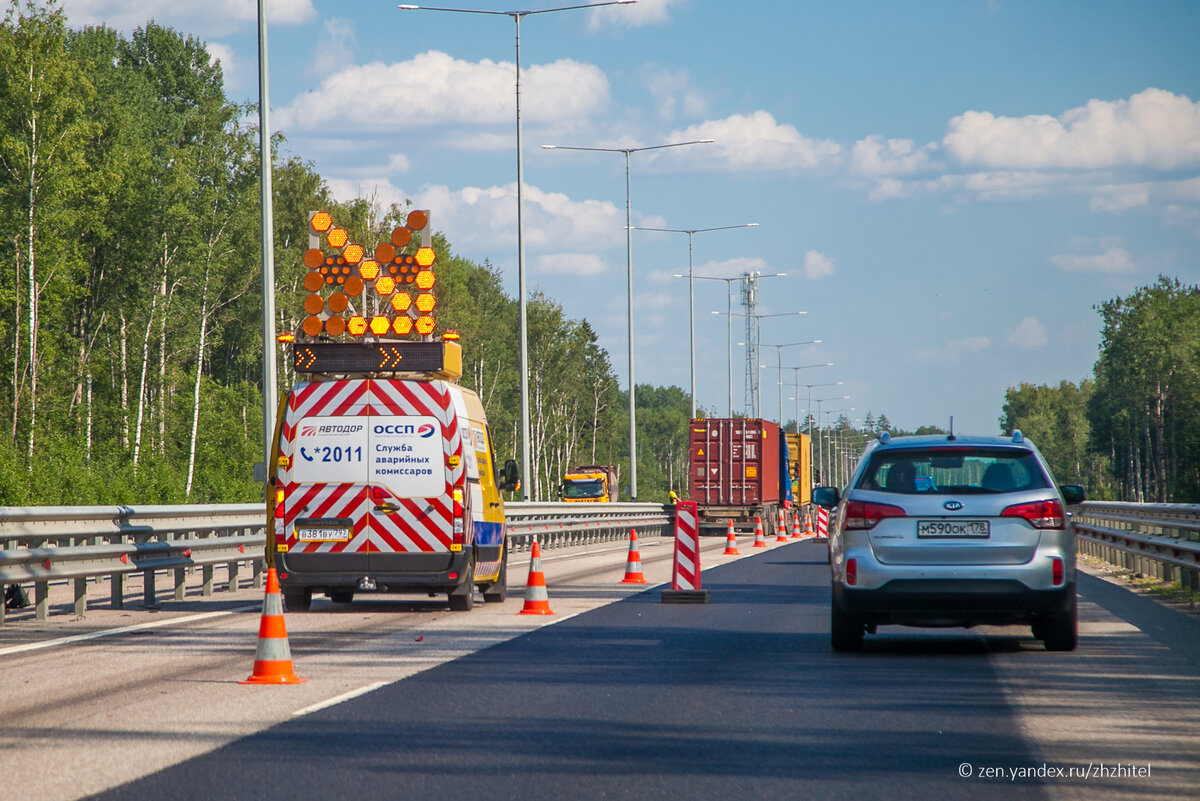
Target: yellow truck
800 467
590 483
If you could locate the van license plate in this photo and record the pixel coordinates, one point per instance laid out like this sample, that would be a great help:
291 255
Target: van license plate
323 534
968 529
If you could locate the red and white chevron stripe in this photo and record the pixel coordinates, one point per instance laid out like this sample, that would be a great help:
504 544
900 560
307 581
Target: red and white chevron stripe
685 575
419 524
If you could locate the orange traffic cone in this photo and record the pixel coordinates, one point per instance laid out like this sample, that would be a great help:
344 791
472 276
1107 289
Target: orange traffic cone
781 529
273 657
796 526
537 602
759 540
808 529
633 565
730 542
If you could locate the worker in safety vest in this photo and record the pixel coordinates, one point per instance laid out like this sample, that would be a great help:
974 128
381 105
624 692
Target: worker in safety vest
674 498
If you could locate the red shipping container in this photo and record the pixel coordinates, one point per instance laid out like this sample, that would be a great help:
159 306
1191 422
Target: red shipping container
733 461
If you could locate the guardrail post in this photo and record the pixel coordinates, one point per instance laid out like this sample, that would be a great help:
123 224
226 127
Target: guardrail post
41 590
233 576
149 591
81 596
206 574
180 583
257 581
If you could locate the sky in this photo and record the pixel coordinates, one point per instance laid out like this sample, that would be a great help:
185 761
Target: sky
950 187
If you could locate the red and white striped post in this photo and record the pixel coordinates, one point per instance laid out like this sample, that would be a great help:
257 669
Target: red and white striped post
822 523
685 574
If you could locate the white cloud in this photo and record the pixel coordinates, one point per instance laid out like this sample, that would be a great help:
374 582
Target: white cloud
1029 334
889 188
1153 128
756 143
875 156
952 350
1082 256
1116 199
204 17
1001 185
434 88
335 47
637 15
816 266
582 264
674 94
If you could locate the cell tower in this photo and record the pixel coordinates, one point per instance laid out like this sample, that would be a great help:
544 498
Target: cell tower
749 301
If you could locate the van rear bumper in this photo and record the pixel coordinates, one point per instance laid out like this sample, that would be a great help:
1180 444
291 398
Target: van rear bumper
392 572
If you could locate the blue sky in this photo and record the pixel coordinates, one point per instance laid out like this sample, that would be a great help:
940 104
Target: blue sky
951 186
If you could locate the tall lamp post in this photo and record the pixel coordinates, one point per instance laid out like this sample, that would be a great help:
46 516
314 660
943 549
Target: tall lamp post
832 442
820 446
691 290
779 368
729 314
526 482
629 281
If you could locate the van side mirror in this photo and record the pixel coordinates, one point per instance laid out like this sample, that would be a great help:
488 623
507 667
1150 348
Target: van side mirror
511 477
1073 494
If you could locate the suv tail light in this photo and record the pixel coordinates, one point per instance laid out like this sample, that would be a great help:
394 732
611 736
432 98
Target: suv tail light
1040 514
863 515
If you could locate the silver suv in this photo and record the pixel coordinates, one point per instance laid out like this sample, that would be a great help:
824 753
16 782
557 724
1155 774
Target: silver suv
952 531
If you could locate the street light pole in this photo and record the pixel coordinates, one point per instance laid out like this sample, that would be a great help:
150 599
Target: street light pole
629 282
692 293
729 314
526 477
779 368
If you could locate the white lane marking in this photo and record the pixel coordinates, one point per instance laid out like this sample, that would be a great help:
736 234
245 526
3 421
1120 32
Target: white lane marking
337 699
95 635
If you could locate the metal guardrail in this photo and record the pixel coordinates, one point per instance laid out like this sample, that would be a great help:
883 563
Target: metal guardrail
77 543
561 525
1157 539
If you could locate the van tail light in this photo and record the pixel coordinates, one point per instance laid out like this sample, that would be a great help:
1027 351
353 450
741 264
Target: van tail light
1057 572
459 523
851 572
1039 514
864 515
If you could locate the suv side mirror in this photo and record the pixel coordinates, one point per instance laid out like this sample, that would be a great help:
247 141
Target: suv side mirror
1073 494
826 496
511 477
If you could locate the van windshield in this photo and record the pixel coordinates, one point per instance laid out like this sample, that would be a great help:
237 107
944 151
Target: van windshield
953 471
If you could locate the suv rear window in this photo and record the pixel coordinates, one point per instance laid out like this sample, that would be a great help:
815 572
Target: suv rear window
952 471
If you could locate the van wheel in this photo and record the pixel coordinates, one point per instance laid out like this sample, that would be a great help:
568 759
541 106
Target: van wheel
341 596
845 630
497 591
1061 632
462 597
298 600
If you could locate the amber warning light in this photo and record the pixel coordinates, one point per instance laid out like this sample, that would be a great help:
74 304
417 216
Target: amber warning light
357 293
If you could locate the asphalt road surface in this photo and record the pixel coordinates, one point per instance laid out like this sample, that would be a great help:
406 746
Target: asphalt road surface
743 698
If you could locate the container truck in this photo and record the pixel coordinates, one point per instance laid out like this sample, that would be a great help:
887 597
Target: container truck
737 470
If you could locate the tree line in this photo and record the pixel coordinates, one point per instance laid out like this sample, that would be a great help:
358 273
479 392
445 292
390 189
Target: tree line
130 335
1130 431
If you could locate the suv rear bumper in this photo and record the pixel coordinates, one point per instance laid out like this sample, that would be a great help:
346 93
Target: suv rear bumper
952 602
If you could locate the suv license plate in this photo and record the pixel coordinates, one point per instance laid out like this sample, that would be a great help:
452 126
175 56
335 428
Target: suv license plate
323 534
967 529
